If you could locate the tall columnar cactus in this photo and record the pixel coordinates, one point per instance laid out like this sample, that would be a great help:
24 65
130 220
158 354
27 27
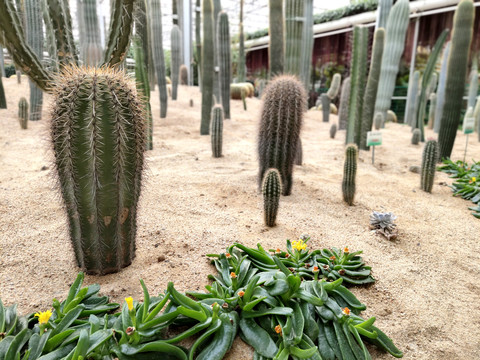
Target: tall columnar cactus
412 96
416 136
429 161
283 106
307 43
142 31
271 189
372 86
217 7
98 137
396 30
275 32
294 22
349 173
216 132
441 90
456 74
384 7
476 115
23 113
207 66
431 113
91 48
50 35
176 44
2 63
473 87
198 41
34 37
241 48
344 104
183 74
224 62
3 100
155 20
334 86
358 71
325 107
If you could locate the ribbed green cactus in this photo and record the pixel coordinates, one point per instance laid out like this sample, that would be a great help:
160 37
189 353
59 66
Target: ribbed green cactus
91 48
456 74
333 131
155 19
176 47
299 153
284 102
294 21
307 44
217 7
334 86
372 86
216 132
23 113
441 90
142 31
275 32
50 35
416 134
349 173
412 97
2 63
378 120
241 67
384 7
207 66
224 62
429 161
19 77
271 189
344 104
431 113
183 74
473 86
325 107
198 41
358 70
395 32
98 137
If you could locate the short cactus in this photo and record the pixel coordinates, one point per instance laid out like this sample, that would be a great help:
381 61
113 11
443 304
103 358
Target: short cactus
416 135
325 107
391 116
349 173
216 131
334 86
23 112
378 120
19 77
271 189
429 160
183 75
282 115
333 131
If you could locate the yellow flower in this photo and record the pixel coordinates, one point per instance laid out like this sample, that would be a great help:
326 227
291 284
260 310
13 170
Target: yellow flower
129 302
474 179
44 316
299 245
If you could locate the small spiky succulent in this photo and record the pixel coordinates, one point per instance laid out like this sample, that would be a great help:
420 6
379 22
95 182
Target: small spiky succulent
384 224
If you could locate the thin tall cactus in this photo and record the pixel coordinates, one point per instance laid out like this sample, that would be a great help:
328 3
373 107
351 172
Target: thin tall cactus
241 47
384 7
3 100
441 90
275 30
176 44
473 86
216 132
23 113
429 161
2 63
344 104
431 113
349 173
412 96
207 66
307 43
224 62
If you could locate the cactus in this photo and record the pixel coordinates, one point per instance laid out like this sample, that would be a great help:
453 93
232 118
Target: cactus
476 115
384 7
431 113
50 35
307 44
224 62
299 153
412 95
284 102
442 81
325 107
358 71
241 47
191 102
216 132
243 94
333 131
371 88
183 74
3 100
198 41
395 33
344 104
217 8
176 44
416 136
456 74
275 32
473 87
429 160
2 63
334 86
142 30
391 116
19 77
91 52
378 120
349 173
99 159
23 112
293 36
207 66
271 189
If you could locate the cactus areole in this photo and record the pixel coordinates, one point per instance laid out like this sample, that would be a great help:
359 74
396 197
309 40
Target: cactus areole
98 137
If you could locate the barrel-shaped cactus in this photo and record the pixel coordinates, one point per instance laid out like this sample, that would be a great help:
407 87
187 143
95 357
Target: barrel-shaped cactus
349 173
176 45
416 134
280 124
224 62
456 75
216 132
429 161
98 138
208 54
441 89
344 104
271 189
334 86
23 113
325 107
275 32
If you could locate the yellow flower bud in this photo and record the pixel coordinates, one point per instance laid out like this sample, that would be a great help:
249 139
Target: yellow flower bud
129 302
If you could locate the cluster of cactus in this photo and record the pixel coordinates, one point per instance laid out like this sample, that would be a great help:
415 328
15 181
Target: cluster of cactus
275 32
429 161
349 173
216 132
224 62
456 75
344 104
176 54
416 135
23 113
281 121
441 89
271 189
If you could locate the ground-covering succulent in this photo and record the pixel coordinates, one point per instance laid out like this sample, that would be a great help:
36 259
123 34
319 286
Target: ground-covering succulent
384 224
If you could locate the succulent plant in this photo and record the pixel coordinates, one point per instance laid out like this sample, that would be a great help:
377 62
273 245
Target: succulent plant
271 189
378 121
333 131
183 75
176 47
275 49
349 173
293 36
429 161
431 113
23 112
3 100
441 90
412 96
299 153
344 104
216 132
224 61
325 107
306 43
241 47
416 134
334 86
384 224
391 116
208 55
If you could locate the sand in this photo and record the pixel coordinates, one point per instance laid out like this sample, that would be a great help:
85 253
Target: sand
427 293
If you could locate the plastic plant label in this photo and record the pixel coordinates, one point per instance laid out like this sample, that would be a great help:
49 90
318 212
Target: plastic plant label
468 125
374 138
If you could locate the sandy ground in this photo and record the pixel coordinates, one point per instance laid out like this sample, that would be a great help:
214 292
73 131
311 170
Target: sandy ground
427 293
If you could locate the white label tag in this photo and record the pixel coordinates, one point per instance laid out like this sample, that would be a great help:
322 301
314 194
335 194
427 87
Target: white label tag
374 138
468 125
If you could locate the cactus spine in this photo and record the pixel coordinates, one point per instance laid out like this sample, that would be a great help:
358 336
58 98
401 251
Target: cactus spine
333 131
155 17
293 36
396 30
275 29
442 82
91 47
23 112
429 160
349 173
412 96
176 44
216 133
98 137
271 189
325 107
183 75
473 88
282 113
241 48
334 86
456 74
344 104
416 135
207 66
224 62
371 88
384 7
